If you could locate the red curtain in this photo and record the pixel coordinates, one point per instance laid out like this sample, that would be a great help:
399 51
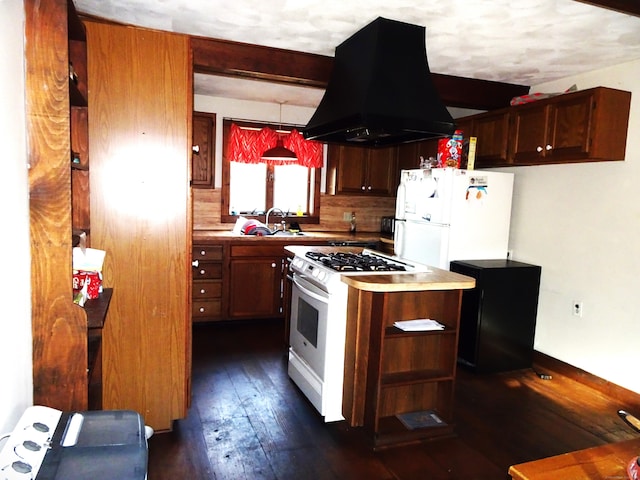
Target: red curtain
247 146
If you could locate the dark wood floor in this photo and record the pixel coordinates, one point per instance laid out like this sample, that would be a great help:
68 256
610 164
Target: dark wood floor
249 421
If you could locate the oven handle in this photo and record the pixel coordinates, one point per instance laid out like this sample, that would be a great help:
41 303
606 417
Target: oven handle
298 282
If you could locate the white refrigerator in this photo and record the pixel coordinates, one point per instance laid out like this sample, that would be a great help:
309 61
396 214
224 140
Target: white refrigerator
446 214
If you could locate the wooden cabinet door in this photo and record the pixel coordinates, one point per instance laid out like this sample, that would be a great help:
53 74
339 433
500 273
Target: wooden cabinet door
363 171
352 164
381 171
492 132
255 287
141 215
569 127
203 150
529 134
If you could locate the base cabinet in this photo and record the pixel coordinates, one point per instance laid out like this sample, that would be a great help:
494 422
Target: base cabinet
394 376
207 282
256 287
498 316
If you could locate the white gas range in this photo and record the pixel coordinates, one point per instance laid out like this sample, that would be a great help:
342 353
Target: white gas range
319 317
48 444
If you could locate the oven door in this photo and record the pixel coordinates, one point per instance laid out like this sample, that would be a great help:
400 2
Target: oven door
308 334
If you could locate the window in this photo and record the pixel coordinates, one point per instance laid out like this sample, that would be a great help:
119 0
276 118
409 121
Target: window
250 187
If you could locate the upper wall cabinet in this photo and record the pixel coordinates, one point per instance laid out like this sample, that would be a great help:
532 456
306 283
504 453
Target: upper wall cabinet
203 149
362 171
585 126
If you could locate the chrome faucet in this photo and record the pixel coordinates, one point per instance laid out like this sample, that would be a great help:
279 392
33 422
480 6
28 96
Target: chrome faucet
269 212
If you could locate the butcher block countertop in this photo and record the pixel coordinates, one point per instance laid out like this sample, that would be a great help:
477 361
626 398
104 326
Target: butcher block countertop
436 279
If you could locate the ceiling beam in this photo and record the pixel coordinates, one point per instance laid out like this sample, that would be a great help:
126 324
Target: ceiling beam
630 7
223 57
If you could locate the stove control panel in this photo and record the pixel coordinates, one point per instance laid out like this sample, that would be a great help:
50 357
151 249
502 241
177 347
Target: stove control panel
24 450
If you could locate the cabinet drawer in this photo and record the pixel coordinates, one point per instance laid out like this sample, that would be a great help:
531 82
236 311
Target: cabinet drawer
207 271
207 252
258 251
209 308
206 290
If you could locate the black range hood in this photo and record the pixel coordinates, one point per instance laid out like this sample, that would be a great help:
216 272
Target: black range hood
380 90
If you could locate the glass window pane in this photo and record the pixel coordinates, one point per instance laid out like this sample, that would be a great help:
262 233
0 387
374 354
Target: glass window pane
290 187
248 187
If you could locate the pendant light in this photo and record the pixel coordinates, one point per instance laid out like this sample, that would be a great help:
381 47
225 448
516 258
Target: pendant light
279 153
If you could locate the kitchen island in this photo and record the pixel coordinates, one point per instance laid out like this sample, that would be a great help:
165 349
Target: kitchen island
399 384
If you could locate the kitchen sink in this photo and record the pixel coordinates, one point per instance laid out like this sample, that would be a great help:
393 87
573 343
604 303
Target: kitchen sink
287 233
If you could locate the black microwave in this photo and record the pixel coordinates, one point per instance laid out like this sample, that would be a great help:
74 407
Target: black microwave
387 225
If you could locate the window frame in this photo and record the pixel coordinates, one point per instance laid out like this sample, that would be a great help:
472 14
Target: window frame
313 184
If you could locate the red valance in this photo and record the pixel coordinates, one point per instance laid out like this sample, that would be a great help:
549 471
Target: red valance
247 146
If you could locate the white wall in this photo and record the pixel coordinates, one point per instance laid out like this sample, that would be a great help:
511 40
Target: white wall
581 223
15 291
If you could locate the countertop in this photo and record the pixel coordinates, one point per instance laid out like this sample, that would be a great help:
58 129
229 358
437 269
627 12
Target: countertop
435 279
205 236
606 461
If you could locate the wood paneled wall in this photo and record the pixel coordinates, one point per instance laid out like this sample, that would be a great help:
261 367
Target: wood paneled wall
141 215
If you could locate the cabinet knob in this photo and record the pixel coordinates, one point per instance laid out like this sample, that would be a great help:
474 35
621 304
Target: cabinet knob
549 147
369 187
202 272
195 263
363 187
203 291
203 252
201 309
538 149
196 149
273 265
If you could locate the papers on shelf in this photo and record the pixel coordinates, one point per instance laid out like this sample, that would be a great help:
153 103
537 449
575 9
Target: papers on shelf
419 325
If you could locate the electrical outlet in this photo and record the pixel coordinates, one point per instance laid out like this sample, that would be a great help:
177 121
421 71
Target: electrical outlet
346 216
577 308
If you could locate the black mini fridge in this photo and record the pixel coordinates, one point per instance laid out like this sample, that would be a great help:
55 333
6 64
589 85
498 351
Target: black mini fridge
498 316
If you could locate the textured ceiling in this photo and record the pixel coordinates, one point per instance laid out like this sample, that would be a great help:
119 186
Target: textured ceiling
518 41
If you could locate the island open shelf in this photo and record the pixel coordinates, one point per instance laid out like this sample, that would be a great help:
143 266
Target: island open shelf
391 372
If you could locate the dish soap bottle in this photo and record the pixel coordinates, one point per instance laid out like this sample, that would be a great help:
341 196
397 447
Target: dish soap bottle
352 226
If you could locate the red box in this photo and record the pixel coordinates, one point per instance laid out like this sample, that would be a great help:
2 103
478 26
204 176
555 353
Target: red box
93 281
450 151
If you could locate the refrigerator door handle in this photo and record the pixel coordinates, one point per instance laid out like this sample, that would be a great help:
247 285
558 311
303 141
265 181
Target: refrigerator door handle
398 238
401 199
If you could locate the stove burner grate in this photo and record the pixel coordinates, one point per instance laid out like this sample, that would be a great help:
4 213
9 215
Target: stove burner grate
354 262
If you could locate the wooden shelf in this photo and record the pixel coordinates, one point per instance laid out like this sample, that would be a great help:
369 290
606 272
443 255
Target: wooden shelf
96 309
79 166
415 376
392 432
391 332
76 98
